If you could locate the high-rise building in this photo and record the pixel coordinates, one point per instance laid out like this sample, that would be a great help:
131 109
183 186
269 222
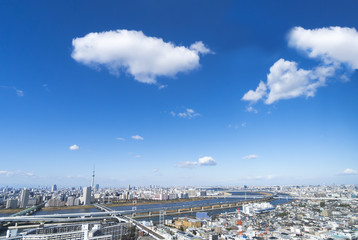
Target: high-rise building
202 193
97 187
54 188
70 201
11 203
77 202
87 196
24 197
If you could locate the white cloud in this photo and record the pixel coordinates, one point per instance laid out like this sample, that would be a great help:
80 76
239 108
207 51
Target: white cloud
254 96
203 161
120 139
332 44
206 161
155 169
16 173
251 109
187 164
286 81
137 156
251 156
74 147
349 171
188 113
19 93
6 173
160 87
137 137
143 57
243 124
199 47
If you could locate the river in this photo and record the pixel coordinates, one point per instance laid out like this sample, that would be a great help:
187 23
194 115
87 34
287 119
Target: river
167 205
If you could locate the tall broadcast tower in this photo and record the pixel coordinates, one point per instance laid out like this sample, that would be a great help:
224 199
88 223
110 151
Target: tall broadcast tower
93 174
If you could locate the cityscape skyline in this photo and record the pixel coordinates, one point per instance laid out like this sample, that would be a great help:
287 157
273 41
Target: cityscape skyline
186 94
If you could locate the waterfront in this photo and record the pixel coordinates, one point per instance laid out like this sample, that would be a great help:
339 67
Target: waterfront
188 204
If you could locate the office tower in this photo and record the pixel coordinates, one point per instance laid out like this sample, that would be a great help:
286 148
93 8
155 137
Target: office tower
54 188
87 196
11 203
97 187
24 197
77 202
70 201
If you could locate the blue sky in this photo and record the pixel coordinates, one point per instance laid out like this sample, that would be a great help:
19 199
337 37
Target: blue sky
170 94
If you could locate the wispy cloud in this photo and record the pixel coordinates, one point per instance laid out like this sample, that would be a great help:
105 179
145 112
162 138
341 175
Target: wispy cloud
203 161
15 173
160 87
188 113
143 57
45 87
120 139
236 126
259 177
187 164
349 171
74 147
251 156
137 137
251 109
18 92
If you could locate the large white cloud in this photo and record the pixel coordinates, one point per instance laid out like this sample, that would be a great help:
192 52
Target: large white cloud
286 81
144 57
332 44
